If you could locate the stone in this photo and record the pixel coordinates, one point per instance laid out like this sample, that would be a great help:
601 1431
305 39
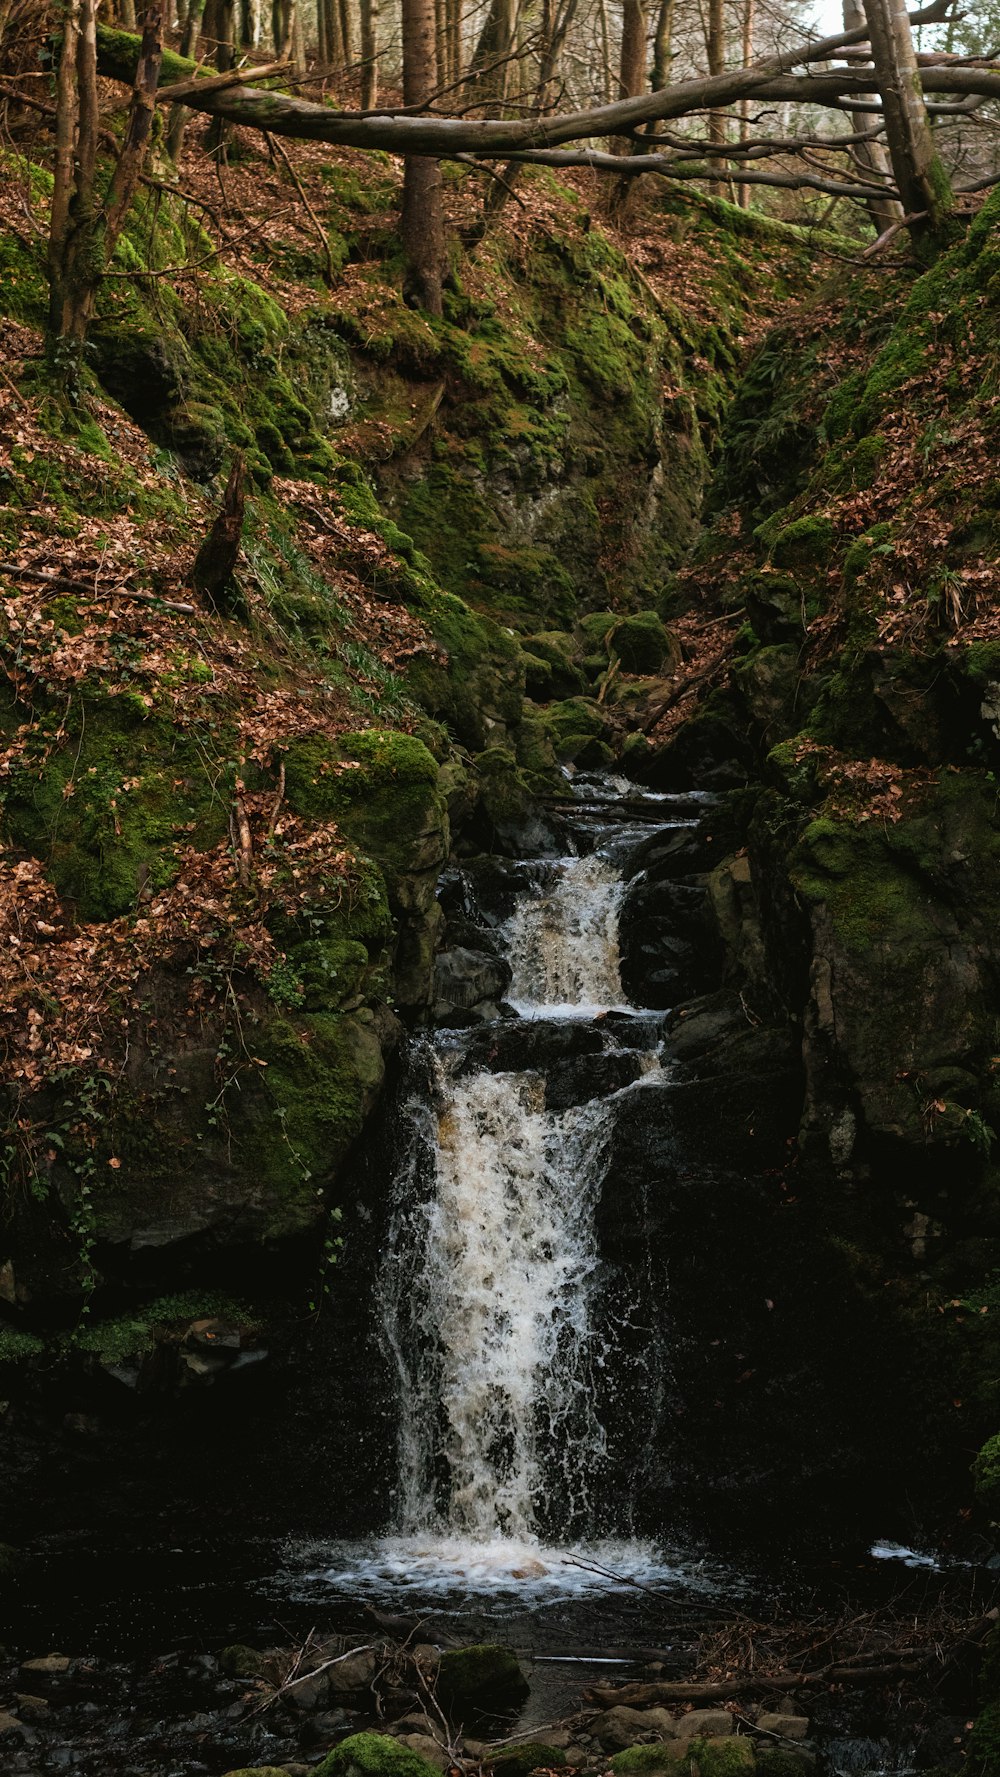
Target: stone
790 1727
621 1727
530 1755
703 1724
374 1755
427 1748
480 1677
33 1709
309 1691
353 1674
49 1668
469 981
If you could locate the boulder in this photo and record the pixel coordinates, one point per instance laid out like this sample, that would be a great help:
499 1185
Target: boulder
469 982
621 1727
704 1724
483 1677
374 1755
426 1747
520 1761
790 1727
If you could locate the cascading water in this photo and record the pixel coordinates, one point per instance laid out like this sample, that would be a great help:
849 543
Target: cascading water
492 1288
562 940
491 1311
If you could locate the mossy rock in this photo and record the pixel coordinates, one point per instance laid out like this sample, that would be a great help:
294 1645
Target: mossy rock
373 1755
661 1759
258 1771
329 971
805 543
556 652
537 678
480 1677
577 726
986 1476
504 796
643 644
381 789
983 1748
729 1756
520 1761
781 1762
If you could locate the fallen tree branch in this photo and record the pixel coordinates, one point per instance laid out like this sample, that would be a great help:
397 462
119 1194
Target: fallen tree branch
60 584
284 115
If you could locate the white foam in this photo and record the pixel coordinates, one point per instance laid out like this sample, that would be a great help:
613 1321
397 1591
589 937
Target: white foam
438 1568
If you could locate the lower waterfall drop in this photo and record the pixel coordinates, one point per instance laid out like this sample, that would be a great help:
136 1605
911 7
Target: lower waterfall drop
492 1286
492 1315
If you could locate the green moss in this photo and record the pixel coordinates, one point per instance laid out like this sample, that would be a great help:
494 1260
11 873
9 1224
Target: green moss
107 807
651 1761
520 1761
373 1755
323 1072
17 1346
983 1747
642 643
728 1757
986 1475
805 543
128 1336
381 789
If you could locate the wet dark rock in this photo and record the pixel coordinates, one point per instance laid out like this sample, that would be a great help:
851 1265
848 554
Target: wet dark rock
468 985
484 1677
668 941
584 1078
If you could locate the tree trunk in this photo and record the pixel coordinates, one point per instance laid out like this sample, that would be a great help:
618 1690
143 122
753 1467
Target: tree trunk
872 157
921 180
83 233
179 114
423 218
749 20
369 54
346 32
215 562
631 82
715 45
663 45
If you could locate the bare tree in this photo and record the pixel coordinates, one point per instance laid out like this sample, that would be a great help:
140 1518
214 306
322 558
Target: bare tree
85 225
921 181
871 156
423 216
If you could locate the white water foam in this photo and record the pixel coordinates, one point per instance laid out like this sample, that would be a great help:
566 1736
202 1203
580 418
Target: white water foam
444 1570
562 941
489 1292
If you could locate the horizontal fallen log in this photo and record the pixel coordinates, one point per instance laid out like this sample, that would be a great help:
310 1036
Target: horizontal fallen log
437 136
641 1696
59 583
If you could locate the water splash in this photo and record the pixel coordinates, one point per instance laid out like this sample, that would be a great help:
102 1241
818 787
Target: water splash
562 940
489 1299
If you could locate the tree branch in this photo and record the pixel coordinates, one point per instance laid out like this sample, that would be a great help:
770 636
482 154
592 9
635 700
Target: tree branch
442 136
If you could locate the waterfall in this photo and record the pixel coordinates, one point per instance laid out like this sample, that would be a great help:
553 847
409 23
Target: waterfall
562 940
491 1307
491 1285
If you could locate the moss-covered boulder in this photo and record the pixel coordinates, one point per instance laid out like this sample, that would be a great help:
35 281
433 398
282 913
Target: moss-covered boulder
577 727
904 917
555 653
986 1476
483 1677
373 1755
520 1761
643 644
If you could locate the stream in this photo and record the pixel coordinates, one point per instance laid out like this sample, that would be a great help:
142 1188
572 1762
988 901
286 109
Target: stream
526 1344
